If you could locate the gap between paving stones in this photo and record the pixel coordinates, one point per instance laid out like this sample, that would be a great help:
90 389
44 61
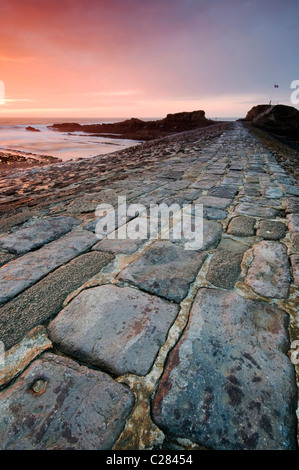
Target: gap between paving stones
140 431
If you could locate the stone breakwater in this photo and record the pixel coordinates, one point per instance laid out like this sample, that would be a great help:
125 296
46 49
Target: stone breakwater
141 344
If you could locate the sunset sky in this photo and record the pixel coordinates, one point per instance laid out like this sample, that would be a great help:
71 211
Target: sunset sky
146 58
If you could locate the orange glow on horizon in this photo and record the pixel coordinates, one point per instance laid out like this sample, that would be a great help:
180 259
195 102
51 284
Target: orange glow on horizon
94 58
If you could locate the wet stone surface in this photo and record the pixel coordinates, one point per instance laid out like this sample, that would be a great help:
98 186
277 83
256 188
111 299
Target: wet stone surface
58 405
295 242
190 334
271 230
224 390
21 273
241 226
37 234
41 302
118 329
165 269
269 272
225 265
293 222
256 210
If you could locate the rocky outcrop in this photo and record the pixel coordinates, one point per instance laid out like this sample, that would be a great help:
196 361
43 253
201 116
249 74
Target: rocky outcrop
280 119
11 159
256 111
141 130
32 129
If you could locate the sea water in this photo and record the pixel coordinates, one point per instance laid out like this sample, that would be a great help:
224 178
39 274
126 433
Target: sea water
67 146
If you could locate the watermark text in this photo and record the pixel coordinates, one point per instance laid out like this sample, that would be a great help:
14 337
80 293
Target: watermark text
295 94
136 221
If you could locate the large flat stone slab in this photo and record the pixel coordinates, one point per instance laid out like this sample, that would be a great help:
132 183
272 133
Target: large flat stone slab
225 265
119 245
23 272
295 242
273 193
256 210
293 205
58 405
214 213
224 191
293 222
206 183
269 272
271 230
228 384
241 226
40 303
165 269
213 201
37 234
118 329
205 233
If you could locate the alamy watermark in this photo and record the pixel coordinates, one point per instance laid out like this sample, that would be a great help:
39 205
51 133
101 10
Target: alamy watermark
295 94
138 222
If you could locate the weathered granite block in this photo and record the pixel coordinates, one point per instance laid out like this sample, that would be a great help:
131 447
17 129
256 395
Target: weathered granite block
116 245
37 234
41 302
256 210
273 193
58 405
293 222
271 230
203 184
292 205
295 242
232 180
213 201
269 272
225 266
241 226
224 191
165 269
25 271
228 384
214 213
119 329
206 231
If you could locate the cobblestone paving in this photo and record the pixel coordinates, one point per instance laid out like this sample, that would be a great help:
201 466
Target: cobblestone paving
146 343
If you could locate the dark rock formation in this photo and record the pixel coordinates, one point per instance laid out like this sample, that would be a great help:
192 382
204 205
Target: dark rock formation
32 129
143 130
256 111
280 119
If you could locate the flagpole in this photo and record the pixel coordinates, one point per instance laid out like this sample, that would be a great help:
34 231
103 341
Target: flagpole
275 86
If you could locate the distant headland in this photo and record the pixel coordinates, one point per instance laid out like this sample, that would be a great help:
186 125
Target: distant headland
138 129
